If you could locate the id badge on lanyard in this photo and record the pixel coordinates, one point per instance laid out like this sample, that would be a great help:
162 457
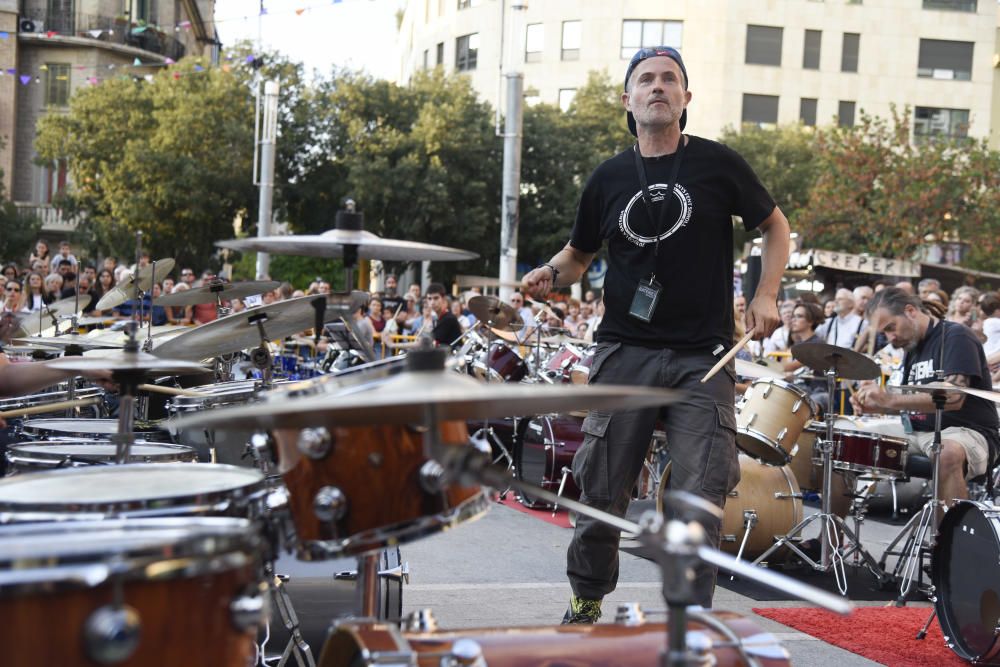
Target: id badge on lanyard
647 293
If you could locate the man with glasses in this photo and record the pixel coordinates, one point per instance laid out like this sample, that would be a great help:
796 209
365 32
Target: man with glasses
665 209
12 297
187 276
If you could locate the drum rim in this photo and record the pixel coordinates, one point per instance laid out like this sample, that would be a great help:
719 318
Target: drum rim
207 545
14 403
954 515
190 502
171 451
767 440
30 427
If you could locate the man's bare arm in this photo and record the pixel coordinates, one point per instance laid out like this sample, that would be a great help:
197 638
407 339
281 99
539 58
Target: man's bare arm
571 264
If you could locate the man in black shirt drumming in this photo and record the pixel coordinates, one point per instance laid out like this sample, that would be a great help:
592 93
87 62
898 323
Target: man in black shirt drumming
665 208
969 424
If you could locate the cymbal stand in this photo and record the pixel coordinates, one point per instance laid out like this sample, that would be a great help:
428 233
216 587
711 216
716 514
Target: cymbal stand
128 383
920 530
297 647
831 556
261 356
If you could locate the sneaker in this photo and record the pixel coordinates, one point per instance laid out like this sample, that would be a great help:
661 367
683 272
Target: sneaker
582 611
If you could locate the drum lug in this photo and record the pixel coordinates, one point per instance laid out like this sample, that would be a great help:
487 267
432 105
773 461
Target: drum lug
330 504
753 418
630 614
248 610
315 443
766 391
399 573
432 477
421 620
796 406
111 634
781 434
465 652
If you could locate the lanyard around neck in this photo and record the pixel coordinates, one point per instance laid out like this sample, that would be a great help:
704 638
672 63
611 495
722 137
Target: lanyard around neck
647 196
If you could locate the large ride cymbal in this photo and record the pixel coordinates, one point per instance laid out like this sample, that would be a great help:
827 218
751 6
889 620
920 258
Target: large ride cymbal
849 365
493 312
217 290
406 398
67 340
331 244
239 331
945 388
124 361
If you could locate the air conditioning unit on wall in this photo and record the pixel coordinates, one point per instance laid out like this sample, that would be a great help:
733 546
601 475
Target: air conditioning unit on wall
30 25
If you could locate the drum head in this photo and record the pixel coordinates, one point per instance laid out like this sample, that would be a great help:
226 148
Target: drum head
55 453
966 572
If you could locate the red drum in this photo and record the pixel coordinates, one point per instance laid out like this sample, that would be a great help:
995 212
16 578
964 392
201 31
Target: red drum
580 373
543 455
559 366
870 454
725 638
502 364
355 490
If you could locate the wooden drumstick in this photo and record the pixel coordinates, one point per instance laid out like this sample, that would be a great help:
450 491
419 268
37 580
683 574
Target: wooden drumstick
49 407
172 391
728 356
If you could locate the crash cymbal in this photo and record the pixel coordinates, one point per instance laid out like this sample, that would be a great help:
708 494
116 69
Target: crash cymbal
217 290
125 289
494 313
115 296
124 361
239 331
848 364
945 388
505 335
756 371
67 340
69 305
331 244
406 397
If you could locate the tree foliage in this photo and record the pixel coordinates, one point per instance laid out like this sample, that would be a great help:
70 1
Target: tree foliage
18 232
878 192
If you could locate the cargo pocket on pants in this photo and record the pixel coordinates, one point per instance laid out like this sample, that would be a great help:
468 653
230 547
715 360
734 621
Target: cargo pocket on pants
722 469
590 464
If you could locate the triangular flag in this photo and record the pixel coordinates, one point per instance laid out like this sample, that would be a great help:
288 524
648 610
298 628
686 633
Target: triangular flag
199 68
4 35
298 12
226 67
95 33
51 33
185 24
81 67
149 77
92 80
169 61
44 68
136 63
25 79
11 71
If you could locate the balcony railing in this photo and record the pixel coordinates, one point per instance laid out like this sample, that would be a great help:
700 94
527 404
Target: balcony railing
109 29
52 218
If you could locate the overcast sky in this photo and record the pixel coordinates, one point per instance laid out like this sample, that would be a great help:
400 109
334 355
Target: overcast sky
319 33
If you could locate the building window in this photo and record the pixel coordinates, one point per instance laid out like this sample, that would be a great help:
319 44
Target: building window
807 111
465 4
440 54
810 52
849 52
942 59
566 96
534 42
56 85
427 58
845 114
760 110
930 122
571 40
466 52
637 34
763 45
952 5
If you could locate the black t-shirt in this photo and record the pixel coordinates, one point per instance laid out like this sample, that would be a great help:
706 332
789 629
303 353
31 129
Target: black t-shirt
695 261
390 303
963 355
447 330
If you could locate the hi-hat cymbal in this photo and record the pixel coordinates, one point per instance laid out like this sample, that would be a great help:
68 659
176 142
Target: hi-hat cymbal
848 364
67 340
238 331
217 290
945 388
494 313
331 244
750 369
115 296
123 361
405 399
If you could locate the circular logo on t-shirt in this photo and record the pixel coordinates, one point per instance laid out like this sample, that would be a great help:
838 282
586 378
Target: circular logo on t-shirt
638 229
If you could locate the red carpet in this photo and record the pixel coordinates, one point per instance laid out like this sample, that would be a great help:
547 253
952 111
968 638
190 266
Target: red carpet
561 518
882 634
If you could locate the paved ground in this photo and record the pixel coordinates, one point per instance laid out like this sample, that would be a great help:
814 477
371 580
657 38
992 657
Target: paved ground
507 569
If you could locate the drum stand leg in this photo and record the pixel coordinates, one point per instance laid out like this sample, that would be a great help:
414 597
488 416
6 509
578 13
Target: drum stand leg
562 485
921 529
297 646
927 624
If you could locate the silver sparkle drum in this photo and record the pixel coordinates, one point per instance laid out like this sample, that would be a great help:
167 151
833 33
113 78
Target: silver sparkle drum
36 456
136 491
55 428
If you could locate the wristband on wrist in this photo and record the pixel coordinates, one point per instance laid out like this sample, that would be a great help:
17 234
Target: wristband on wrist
555 271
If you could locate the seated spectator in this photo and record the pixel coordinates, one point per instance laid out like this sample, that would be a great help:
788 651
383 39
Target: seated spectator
64 255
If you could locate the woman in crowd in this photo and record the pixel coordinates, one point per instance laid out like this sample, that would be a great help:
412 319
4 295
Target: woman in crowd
806 317
34 297
963 308
53 287
105 282
180 314
11 272
572 319
41 254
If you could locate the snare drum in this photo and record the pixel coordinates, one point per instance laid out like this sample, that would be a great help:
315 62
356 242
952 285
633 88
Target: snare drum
727 636
131 593
87 429
772 418
36 456
580 373
355 490
229 445
870 454
767 497
137 490
559 365
502 364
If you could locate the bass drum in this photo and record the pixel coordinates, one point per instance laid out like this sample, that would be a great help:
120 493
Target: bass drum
768 492
544 453
965 569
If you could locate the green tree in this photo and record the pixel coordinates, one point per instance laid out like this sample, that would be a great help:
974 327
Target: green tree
18 232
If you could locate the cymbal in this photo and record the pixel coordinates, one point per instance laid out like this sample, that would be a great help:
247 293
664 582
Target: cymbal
504 335
543 307
750 369
115 296
217 289
946 388
331 244
122 361
494 313
559 339
125 289
66 340
405 398
848 364
69 305
238 331
33 323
